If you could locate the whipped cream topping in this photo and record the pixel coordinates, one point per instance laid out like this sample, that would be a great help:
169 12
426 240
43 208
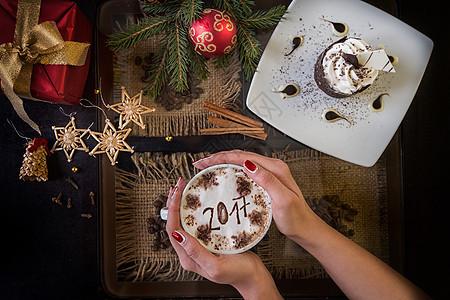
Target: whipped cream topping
343 76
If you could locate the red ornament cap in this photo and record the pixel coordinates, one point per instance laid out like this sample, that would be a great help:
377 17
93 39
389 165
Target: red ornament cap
214 34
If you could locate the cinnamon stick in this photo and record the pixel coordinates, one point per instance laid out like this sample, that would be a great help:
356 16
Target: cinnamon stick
227 124
258 134
224 123
232 129
232 115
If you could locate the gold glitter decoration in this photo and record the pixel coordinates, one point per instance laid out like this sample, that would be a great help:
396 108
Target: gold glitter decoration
130 109
111 141
34 165
69 139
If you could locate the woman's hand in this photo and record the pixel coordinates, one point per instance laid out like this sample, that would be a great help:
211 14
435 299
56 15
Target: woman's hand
245 271
358 273
290 211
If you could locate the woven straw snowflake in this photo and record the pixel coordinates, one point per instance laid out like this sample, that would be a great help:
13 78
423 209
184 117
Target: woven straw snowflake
69 139
111 141
130 109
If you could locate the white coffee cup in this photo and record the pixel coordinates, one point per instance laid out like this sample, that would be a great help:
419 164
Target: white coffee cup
225 210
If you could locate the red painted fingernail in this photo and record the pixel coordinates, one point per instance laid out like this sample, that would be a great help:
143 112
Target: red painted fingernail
170 191
200 159
178 237
174 191
178 180
250 166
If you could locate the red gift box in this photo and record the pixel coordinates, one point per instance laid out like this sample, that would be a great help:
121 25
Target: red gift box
60 84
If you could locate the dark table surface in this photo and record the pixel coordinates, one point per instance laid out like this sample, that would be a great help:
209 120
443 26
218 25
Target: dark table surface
50 251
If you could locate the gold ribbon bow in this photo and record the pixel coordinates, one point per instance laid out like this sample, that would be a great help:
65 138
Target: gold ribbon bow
33 43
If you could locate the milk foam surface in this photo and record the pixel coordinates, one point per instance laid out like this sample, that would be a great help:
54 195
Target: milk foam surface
225 210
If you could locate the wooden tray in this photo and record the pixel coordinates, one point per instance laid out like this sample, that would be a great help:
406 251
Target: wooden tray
113 9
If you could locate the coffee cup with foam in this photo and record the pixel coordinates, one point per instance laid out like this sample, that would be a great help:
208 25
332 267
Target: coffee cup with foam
225 210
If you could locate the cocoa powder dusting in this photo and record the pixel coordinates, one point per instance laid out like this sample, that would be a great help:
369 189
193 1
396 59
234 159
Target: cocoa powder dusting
257 218
192 202
208 180
242 239
189 220
243 186
204 234
259 201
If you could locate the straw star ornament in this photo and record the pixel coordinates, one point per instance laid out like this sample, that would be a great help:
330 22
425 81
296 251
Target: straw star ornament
130 109
69 139
111 141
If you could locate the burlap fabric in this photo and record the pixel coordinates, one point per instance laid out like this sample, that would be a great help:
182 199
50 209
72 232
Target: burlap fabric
317 175
135 195
221 88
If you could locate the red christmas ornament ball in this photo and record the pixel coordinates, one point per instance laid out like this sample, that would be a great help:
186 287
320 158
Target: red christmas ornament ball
214 34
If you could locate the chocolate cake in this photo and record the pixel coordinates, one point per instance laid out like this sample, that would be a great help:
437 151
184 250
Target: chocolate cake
337 71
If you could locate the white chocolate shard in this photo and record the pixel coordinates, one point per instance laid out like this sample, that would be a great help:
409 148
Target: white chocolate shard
377 59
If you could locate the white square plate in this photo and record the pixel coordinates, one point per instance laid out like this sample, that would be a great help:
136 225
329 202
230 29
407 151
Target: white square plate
300 117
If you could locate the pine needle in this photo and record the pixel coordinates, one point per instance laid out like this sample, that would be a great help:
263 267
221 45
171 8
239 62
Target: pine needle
191 10
249 50
198 64
158 72
137 33
264 19
177 63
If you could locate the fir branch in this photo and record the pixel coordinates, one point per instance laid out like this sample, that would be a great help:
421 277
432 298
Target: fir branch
246 6
175 56
264 19
198 64
177 63
249 50
190 10
223 61
168 8
230 7
136 33
158 72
